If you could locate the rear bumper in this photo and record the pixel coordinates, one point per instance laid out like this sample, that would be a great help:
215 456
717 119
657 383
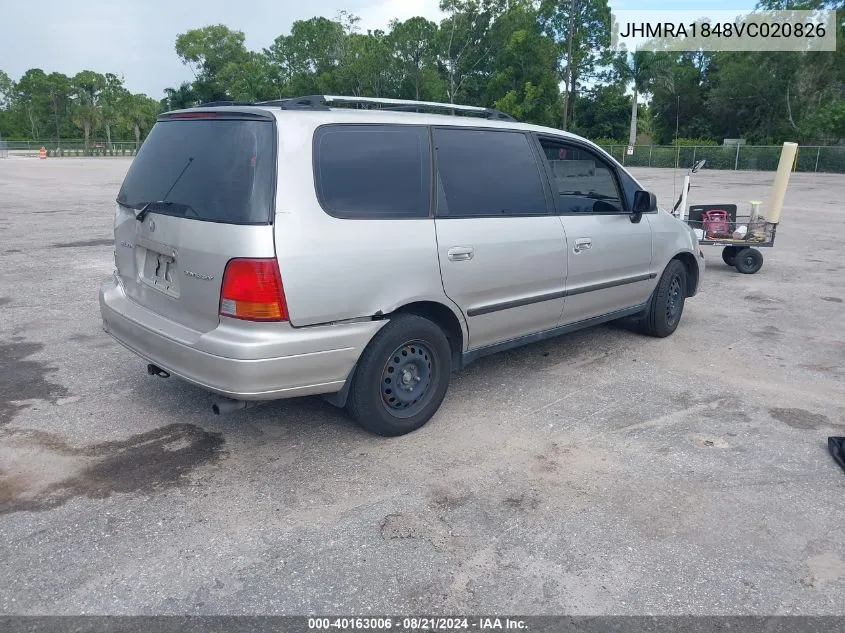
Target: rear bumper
247 361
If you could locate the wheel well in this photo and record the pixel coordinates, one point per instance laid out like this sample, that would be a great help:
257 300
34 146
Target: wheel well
443 317
688 260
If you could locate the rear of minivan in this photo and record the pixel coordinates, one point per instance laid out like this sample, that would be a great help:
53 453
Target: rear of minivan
197 289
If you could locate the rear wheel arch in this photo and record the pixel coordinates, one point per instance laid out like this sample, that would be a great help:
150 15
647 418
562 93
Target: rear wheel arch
445 318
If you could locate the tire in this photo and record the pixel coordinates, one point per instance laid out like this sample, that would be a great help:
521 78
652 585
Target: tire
402 377
729 255
667 302
749 261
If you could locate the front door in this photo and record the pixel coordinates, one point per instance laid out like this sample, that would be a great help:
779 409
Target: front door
502 252
608 255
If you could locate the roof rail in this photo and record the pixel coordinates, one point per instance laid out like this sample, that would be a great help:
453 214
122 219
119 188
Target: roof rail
217 104
312 102
322 102
409 105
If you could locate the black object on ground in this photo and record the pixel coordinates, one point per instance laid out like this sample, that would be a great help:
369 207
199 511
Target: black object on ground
836 445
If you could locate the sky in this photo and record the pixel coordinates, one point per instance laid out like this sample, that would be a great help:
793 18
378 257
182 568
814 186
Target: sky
135 38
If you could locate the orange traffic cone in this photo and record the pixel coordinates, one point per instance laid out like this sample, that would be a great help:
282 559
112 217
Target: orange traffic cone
42 153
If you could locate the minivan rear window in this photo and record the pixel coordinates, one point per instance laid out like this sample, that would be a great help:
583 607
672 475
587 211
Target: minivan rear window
212 170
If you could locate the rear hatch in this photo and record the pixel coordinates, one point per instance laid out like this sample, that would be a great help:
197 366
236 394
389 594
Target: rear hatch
199 193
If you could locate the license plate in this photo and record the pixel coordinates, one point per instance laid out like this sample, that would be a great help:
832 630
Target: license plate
160 271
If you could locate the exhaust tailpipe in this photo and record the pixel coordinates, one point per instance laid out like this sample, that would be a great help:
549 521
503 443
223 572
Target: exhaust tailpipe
155 370
227 405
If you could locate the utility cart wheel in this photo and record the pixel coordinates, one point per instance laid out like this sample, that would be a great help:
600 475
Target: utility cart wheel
748 261
729 255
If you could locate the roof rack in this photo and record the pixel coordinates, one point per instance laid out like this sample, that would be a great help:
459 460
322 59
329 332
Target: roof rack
218 104
322 102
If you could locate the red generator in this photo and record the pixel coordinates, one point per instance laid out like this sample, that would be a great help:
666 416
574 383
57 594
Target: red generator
716 224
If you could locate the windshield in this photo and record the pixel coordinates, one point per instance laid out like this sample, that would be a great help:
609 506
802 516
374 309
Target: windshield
231 172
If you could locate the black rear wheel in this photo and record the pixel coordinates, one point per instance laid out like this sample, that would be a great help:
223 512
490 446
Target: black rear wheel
729 255
749 261
402 376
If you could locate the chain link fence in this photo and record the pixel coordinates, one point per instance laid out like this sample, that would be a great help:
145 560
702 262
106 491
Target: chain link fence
822 159
71 148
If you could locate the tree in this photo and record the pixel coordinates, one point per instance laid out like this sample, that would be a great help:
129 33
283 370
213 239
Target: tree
110 97
58 86
7 90
249 79
306 60
603 113
369 69
413 44
589 44
463 46
679 105
87 87
138 113
207 51
179 98
33 99
524 82
641 70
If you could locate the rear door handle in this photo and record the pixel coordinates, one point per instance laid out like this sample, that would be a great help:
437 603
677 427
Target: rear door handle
582 244
461 253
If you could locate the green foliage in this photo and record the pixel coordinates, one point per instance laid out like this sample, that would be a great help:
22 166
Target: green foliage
590 20
603 113
207 51
509 54
688 142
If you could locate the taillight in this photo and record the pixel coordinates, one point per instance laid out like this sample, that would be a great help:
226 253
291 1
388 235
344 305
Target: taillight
252 290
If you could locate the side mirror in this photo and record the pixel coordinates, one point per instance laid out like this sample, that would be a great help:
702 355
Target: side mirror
644 202
698 165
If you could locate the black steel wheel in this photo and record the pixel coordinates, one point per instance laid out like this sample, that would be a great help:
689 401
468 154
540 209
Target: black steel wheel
667 302
729 255
749 261
407 378
402 376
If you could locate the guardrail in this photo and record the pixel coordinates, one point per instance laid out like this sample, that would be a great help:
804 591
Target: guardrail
811 158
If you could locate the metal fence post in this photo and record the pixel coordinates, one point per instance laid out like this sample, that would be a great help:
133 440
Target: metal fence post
736 163
694 147
818 153
650 149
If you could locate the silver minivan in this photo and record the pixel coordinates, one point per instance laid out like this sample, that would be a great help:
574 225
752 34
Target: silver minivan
302 247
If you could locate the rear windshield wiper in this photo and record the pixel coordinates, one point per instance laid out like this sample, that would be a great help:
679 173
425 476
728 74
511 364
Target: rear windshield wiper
146 207
143 213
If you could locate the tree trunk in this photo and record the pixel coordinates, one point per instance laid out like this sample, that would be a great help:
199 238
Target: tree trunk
632 136
108 135
58 127
32 125
86 131
137 136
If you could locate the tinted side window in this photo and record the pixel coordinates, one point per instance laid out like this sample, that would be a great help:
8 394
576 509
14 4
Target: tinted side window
584 182
373 171
487 173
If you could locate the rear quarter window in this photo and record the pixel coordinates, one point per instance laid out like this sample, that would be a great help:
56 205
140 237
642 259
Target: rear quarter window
373 171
